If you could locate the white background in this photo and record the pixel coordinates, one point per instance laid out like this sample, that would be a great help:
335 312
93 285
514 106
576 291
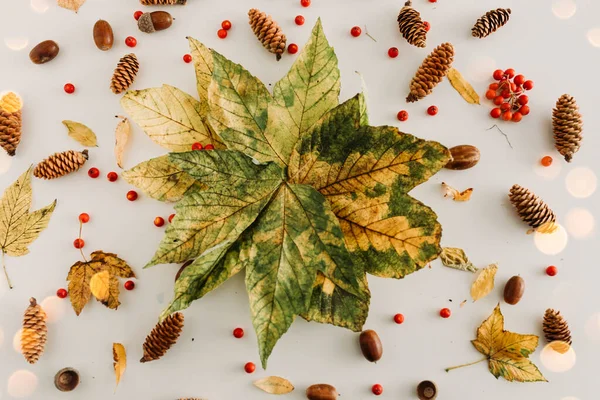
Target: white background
551 42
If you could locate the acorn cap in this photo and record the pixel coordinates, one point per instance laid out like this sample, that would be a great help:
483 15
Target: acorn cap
66 379
427 390
145 23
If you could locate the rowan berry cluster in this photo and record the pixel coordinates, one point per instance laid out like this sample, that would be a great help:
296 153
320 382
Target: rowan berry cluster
508 94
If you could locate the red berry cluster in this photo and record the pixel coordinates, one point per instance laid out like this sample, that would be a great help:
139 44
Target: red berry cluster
507 94
198 146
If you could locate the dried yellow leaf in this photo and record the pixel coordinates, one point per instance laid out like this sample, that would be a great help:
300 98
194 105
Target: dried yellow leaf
122 134
274 385
84 135
449 191
73 5
454 257
120 361
464 88
484 282
99 285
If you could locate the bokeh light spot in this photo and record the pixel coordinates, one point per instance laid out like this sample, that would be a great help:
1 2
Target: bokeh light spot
593 36
549 172
22 384
558 357
580 223
54 307
16 43
40 6
551 243
5 161
17 341
564 9
592 327
581 182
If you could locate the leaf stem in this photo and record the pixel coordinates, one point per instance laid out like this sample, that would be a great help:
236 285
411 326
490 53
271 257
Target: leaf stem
6 272
466 365
367 33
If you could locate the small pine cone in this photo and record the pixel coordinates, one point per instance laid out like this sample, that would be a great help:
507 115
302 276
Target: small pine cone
556 327
10 122
431 72
531 208
163 336
60 164
125 73
411 26
567 126
490 22
162 2
33 336
267 31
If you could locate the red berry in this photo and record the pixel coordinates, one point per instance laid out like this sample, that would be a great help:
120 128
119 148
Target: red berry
546 161
61 293
510 73
494 86
393 52
159 221
69 88
432 110
498 100
112 176
398 318
238 333
513 86
528 85
129 285
505 94
132 195
226 25
517 117
551 270
427 26
490 94
505 106
498 74
507 116
305 3
433 1
137 14
299 20
445 313
355 31
496 112
209 146
187 58
171 217
519 79
222 33
78 243
377 389
524 110
250 367
292 48
84 218
130 41
523 99
93 172
402 115
197 146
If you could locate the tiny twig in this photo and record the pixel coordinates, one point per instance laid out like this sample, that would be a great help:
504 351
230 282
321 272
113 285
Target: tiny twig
6 272
367 33
505 135
466 365
81 251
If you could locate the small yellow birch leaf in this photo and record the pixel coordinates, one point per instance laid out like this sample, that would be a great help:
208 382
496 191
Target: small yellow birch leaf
463 87
484 283
449 191
84 135
100 285
120 361
274 385
71 4
122 134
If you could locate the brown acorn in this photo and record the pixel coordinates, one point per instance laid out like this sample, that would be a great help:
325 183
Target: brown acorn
321 391
66 379
103 35
44 52
514 289
463 157
151 22
370 345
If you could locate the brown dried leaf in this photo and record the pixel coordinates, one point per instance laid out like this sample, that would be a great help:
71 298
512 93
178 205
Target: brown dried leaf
464 88
99 285
73 5
274 385
484 282
120 361
449 191
122 134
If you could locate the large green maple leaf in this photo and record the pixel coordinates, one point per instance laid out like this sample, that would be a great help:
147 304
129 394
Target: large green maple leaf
301 192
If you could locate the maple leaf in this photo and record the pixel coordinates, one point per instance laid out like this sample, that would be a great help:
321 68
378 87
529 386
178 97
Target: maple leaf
299 192
19 227
507 352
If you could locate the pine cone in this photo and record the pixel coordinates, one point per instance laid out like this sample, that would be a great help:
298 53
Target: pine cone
556 327
162 2
567 124
267 31
60 164
431 72
125 73
33 336
411 26
531 208
490 22
10 122
163 336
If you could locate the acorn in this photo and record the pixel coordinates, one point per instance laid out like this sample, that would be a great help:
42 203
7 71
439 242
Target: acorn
44 52
463 157
66 379
321 391
103 35
151 22
426 390
370 345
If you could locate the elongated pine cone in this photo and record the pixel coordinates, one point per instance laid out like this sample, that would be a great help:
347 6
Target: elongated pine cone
267 31
162 2
163 336
33 336
411 26
10 122
60 164
531 208
125 73
567 126
490 22
431 72
556 327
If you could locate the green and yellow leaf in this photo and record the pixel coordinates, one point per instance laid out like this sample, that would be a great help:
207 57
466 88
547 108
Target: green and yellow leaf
113 264
79 278
203 64
454 257
81 133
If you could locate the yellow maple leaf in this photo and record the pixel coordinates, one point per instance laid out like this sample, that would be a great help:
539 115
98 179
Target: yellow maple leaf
120 361
484 283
